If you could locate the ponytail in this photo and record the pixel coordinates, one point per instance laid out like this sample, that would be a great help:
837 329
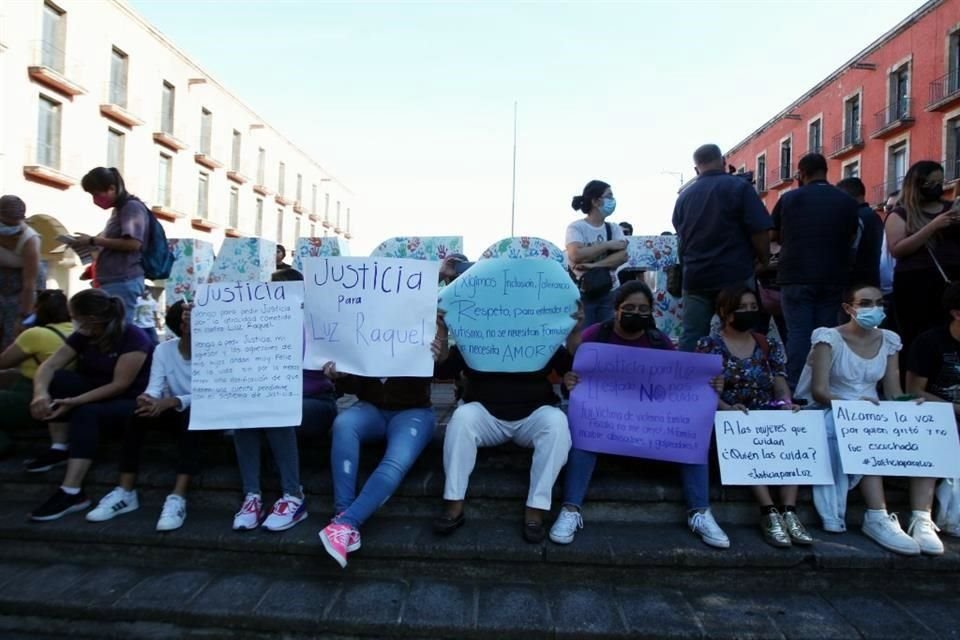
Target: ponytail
592 191
107 309
113 332
101 179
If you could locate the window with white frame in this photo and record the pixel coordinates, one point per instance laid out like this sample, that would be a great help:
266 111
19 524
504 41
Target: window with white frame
165 179
115 148
48 132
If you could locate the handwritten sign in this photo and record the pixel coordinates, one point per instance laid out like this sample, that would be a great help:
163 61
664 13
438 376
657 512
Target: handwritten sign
510 315
773 447
246 364
898 439
645 403
372 316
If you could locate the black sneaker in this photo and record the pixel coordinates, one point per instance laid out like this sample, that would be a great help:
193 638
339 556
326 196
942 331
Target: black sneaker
45 461
59 505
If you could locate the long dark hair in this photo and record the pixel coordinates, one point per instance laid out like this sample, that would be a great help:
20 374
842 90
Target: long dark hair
728 301
591 192
52 307
101 179
108 309
657 338
910 194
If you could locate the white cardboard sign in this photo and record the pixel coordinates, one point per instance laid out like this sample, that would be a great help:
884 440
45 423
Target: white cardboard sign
773 448
247 360
898 439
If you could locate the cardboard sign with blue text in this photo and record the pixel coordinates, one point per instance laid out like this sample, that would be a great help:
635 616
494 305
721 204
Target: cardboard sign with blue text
371 316
246 361
897 439
645 403
773 447
510 315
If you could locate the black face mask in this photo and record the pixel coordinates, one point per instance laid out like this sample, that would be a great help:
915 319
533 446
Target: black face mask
931 194
635 322
745 320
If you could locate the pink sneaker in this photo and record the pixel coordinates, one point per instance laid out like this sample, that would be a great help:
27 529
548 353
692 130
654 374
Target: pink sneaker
250 515
339 540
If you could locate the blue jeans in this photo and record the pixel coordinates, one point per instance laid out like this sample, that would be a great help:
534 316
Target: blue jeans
598 310
283 443
806 307
580 466
129 291
407 433
318 415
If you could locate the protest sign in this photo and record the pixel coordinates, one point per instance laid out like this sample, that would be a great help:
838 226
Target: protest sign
247 346
645 403
510 315
897 439
371 316
773 447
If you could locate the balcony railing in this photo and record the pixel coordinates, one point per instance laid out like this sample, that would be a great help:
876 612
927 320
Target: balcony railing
119 106
944 90
48 65
780 177
884 189
847 140
893 117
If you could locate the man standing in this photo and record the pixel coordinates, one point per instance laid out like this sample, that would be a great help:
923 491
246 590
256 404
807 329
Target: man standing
281 255
815 225
722 232
869 238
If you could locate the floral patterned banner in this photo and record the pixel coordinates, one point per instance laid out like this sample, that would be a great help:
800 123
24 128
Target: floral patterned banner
657 253
314 247
524 247
245 260
419 247
192 264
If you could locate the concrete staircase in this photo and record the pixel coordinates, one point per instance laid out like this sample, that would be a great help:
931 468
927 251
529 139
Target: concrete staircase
635 571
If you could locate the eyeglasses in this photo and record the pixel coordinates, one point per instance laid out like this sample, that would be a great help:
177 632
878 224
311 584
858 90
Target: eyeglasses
635 308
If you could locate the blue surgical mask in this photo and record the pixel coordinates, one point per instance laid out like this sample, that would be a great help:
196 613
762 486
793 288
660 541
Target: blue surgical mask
608 207
9 229
870 318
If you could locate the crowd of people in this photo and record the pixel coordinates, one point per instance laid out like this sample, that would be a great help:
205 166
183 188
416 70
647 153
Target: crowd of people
91 364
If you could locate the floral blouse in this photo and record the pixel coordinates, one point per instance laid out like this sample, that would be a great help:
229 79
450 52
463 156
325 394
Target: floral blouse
748 381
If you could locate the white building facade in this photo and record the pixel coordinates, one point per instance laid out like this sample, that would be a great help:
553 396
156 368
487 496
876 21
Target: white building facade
88 83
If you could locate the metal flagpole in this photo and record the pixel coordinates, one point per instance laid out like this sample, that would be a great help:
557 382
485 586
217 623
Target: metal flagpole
513 188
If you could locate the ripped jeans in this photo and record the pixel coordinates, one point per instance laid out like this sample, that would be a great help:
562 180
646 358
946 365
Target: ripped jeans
407 432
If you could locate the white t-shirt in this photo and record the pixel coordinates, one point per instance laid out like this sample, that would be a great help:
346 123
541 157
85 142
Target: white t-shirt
586 234
144 314
170 374
851 376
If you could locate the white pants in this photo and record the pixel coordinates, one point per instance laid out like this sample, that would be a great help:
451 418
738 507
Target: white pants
472 427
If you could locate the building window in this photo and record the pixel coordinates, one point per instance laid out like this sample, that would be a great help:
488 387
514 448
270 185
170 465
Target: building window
235 153
786 159
48 133
761 179
953 64
280 226
258 224
851 170
900 94
206 130
53 44
203 196
896 166
165 179
326 207
296 229
313 200
261 166
119 64
338 214
234 222
166 108
299 188
281 179
348 218
815 136
953 149
851 110
115 144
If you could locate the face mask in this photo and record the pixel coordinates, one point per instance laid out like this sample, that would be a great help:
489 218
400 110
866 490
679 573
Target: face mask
104 202
745 320
931 194
608 207
9 229
635 322
870 318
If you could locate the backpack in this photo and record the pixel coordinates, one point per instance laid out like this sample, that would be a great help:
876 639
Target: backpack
156 257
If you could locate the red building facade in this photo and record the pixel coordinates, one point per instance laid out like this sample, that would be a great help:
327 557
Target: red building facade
895 103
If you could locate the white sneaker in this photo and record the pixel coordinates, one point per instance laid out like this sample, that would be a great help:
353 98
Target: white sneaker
703 524
115 503
173 514
287 512
884 529
565 528
250 514
924 532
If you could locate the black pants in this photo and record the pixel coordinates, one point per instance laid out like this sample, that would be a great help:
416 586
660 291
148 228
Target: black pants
917 297
175 422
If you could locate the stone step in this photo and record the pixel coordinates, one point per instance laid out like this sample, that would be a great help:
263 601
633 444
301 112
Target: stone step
484 549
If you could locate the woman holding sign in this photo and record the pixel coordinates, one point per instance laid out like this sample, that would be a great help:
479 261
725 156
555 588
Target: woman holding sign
633 326
754 377
847 363
595 248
